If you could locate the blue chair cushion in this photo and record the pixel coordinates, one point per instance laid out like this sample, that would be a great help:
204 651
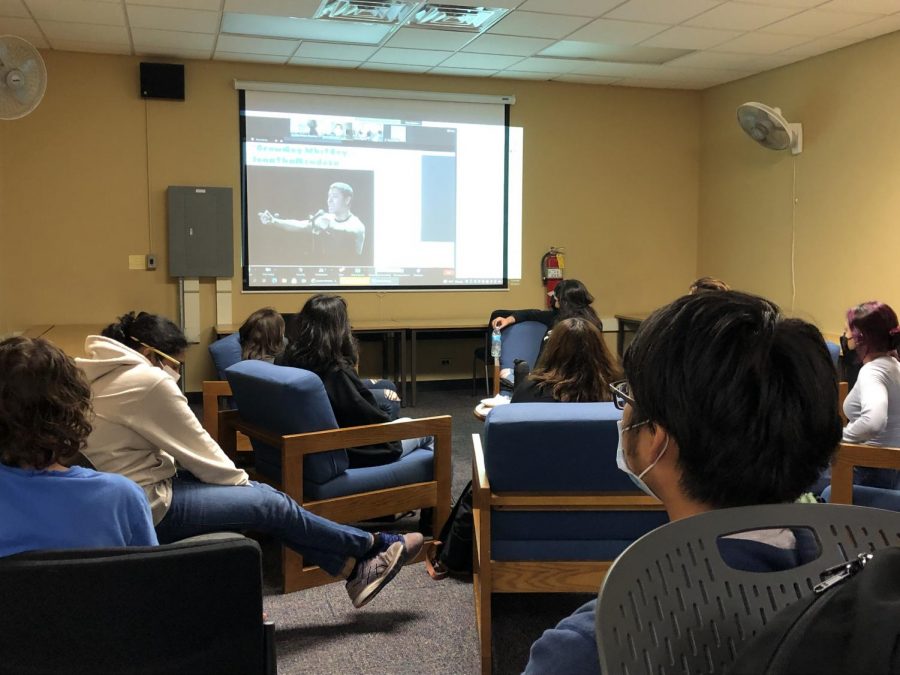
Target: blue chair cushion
568 535
554 447
879 498
834 349
521 341
416 467
285 400
225 353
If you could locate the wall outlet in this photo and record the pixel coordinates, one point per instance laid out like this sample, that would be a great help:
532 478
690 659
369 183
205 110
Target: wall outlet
446 362
151 261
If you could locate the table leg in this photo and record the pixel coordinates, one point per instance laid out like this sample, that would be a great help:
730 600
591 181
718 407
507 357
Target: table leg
620 338
401 334
412 366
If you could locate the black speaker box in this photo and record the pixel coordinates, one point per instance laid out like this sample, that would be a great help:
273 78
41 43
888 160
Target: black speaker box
162 80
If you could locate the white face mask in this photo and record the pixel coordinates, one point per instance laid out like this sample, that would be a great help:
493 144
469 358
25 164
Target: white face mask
623 464
171 372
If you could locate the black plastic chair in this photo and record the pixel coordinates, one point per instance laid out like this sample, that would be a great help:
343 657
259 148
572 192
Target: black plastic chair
190 607
671 604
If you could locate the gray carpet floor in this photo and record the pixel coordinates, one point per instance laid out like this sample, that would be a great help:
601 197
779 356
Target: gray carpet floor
416 625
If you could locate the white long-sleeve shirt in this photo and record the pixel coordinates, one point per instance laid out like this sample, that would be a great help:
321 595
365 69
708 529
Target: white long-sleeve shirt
143 425
873 405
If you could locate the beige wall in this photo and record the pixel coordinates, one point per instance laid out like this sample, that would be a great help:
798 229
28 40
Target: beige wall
612 174
847 184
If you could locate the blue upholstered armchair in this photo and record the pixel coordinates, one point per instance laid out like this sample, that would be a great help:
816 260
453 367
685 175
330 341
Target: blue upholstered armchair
843 491
225 353
299 448
552 510
518 341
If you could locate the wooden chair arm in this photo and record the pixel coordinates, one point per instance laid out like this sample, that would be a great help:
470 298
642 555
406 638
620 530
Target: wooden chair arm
480 478
850 455
212 390
843 390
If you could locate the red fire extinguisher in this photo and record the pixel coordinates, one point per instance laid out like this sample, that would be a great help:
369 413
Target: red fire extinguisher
553 266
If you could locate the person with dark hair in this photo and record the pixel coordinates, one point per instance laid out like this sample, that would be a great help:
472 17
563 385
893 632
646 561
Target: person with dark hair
262 335
320 340
708 284
873 405
45 418
146 431
725 403
571 298
575 365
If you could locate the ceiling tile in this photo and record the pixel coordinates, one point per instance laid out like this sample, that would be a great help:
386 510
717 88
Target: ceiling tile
150 39
175 53
323 63
306 29
15 8
461 72
326 50
92 47
304 9
615 53
814 48
534 24
500 4
78 11
740 16
482 61
592 8
799 4
586 79
540 64
165 18
423 38
84 32
393 67
873 6
661 11
523 75
410 57
617 32
505 44
727 61
27 29
761 43
642 83
209 5
817 23
686 37
239 44
866 31
251 58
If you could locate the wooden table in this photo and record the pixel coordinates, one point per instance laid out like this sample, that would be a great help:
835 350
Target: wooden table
452 326
628 323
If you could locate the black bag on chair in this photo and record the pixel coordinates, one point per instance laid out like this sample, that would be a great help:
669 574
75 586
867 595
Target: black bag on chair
451 552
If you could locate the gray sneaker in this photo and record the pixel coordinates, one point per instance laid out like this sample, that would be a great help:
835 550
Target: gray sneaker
372 574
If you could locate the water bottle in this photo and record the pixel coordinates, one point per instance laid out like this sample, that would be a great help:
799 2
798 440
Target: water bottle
495 343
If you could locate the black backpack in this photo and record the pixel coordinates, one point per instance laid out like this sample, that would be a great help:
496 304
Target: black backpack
851 624
451 552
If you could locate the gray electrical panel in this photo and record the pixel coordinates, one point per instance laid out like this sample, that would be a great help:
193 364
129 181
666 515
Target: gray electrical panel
201 243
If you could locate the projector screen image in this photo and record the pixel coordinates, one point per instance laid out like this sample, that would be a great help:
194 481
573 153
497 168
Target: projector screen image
346 192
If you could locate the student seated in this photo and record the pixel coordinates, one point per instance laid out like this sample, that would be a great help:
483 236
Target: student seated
146 431
320 341
45 417
571 298
725 403
262 335
575 365
708 284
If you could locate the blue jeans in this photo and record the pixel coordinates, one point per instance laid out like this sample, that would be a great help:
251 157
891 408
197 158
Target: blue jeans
200 508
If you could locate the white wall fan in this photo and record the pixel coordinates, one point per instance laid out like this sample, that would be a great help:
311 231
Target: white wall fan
23 77
768 127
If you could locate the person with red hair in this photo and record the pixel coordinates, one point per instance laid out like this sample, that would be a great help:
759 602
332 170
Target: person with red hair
873 405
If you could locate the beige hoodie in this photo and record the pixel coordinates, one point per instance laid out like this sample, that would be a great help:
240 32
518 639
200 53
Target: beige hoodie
143 425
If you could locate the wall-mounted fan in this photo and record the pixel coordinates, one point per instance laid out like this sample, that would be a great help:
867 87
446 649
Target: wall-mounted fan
768 127
23 77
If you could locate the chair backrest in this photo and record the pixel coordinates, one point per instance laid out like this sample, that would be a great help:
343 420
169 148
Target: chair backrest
521 341
190 607
225 353
554 447
671 604
285 400
835 350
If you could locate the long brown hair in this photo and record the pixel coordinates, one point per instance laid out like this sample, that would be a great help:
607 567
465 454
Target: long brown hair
576 364
262 335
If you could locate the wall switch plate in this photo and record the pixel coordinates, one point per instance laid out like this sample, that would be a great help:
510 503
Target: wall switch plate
151 261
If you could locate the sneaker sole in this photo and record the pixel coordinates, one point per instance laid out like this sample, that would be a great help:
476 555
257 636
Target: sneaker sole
373 589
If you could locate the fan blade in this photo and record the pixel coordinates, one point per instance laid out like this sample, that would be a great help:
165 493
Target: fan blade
23 95
28 66
4 55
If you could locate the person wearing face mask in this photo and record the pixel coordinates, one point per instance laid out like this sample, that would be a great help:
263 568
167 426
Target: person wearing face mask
145 431
725 403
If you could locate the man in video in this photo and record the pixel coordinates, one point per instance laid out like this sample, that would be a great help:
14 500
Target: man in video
345 232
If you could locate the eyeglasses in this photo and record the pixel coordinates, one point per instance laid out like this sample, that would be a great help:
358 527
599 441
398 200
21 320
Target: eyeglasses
621 392
171 359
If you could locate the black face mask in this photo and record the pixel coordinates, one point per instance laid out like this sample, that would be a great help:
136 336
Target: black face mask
849 354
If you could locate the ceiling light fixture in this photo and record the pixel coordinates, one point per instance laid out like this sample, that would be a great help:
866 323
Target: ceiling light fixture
455 17
368 11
